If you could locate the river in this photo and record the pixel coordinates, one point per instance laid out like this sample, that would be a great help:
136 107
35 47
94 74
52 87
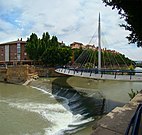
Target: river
59 106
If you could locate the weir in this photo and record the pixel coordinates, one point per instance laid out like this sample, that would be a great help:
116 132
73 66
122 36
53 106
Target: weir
79 103
84 107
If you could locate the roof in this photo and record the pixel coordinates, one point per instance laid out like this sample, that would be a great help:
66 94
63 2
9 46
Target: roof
13 42
76 43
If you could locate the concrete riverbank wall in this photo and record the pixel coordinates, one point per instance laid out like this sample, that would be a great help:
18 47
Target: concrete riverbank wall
3 74
17 74
47 72
22 73
117 121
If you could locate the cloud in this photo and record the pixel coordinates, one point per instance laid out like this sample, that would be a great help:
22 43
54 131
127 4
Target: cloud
69 20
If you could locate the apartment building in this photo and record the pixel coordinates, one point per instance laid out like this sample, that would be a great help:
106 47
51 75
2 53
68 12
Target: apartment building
13 52
76 45
80 45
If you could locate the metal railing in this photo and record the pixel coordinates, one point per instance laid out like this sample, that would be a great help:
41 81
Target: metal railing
135 125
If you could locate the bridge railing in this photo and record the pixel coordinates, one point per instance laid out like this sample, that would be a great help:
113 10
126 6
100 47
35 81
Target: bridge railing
102 71
106 73
135 125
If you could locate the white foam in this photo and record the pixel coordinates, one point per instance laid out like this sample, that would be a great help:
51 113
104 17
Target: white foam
61 118
42 90
65 102
77 120
55 113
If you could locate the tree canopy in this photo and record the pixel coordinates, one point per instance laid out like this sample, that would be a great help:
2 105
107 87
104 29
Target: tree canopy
88 58
131 12
47 50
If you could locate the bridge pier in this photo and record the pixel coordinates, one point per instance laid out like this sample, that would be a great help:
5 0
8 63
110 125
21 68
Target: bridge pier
90 73
74 71
81 72
69 71
130 76
101 74
115 75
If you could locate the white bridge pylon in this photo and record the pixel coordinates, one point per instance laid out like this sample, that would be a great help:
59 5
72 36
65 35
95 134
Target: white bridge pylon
119 75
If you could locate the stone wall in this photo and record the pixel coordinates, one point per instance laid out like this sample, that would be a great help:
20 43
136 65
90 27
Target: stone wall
2 74
42 72
117 121
47 72
22 73
17 74
52 73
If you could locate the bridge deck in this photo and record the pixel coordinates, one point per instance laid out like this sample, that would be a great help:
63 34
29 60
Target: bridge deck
101 76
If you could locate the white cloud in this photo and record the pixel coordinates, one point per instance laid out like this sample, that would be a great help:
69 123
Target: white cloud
69 20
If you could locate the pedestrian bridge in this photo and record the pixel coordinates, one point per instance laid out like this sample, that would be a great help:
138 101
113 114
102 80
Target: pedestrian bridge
122 75
100 63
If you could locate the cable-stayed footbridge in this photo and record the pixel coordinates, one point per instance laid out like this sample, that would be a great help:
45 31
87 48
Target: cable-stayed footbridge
98 63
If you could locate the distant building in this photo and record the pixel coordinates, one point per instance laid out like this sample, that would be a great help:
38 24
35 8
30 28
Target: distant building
76 45
91 47
13 52
80 45
61 43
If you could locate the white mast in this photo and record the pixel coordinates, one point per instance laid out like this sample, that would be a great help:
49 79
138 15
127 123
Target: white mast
99 44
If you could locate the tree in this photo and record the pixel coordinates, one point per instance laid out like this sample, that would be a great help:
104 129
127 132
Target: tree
47 50
131 12
65 55
77 52
109 59
54 41
33 47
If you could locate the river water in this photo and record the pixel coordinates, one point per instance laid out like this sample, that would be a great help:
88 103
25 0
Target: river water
46 107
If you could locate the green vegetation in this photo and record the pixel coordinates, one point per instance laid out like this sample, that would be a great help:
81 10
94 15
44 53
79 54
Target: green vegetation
77 52
131 67
131 12
110 60
115 60
48 51
132 94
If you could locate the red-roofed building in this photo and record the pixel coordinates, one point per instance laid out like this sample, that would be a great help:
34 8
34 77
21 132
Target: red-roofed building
76 45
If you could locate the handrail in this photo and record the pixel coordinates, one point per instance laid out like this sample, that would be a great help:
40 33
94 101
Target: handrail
134 125
102 70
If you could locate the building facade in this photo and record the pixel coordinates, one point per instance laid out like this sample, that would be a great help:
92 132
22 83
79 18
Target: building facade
14 51
76 45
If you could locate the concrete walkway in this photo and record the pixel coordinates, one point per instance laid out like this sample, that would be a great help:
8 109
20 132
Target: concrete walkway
116 122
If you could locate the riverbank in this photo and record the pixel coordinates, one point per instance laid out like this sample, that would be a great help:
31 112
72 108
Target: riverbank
23 74
27 99
17 74
117 121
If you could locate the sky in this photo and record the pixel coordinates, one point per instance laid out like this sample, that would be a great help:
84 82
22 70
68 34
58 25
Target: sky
69 20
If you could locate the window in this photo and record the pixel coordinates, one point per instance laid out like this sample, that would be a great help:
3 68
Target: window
18 51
